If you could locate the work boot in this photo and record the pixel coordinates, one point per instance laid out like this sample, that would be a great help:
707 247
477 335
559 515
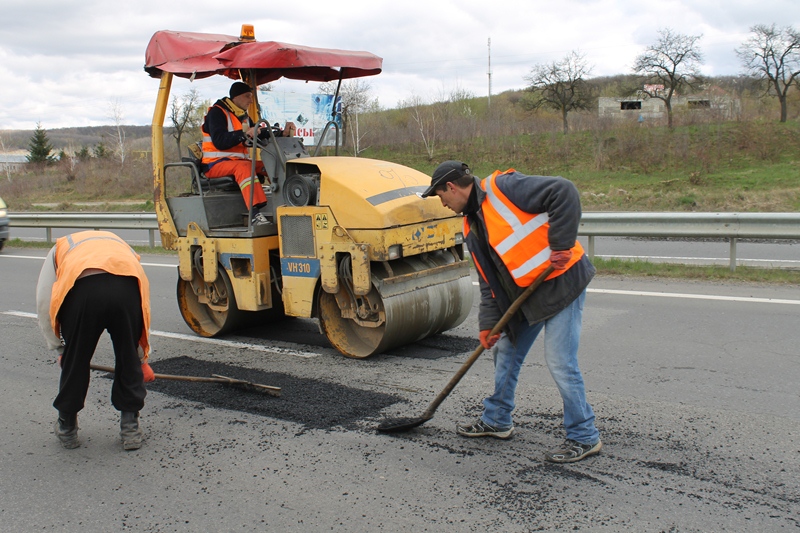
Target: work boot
129 430
66 429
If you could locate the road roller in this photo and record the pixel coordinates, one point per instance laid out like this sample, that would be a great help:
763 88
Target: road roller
348 241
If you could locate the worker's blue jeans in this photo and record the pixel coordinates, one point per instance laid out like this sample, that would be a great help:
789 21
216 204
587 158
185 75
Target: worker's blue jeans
561 339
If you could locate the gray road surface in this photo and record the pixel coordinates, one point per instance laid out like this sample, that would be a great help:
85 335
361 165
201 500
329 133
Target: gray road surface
694 385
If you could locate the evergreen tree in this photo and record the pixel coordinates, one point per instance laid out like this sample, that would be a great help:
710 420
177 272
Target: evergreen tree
100 151
39 146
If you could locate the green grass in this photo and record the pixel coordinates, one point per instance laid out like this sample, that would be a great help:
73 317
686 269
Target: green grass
644 269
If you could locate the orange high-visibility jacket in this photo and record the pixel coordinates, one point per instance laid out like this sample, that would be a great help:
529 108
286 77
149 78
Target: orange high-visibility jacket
211 153
518 238
101 250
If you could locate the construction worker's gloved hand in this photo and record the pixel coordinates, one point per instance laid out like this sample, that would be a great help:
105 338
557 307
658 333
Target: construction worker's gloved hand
487 341
560 258
149 375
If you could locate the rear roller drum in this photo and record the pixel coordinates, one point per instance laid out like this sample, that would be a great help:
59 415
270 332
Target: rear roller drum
209 308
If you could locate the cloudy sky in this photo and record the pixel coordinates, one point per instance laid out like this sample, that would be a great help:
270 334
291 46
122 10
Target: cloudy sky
69 63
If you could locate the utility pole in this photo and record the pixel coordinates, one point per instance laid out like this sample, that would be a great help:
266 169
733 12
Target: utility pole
489 100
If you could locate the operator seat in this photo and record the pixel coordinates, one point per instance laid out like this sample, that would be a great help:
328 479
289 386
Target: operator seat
223 184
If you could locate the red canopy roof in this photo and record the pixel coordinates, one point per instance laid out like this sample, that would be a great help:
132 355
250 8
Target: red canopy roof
201 55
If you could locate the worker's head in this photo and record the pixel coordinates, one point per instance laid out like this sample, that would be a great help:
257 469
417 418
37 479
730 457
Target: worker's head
241 94
452 182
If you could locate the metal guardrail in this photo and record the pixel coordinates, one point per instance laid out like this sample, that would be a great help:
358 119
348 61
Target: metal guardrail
730 226
141 221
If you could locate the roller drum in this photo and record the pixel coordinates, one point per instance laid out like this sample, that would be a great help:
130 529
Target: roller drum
419 297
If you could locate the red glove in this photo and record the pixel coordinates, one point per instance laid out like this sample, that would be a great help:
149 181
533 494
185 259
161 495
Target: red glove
560 258
487 341
149 375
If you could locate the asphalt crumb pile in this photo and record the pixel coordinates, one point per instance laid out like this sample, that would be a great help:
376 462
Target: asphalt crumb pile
313 403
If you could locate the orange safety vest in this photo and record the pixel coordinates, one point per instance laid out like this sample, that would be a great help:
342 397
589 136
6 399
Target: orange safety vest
518 238
102 250
211 153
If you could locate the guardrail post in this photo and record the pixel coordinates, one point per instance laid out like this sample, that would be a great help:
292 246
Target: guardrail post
48 232
591 247
152 238
733 254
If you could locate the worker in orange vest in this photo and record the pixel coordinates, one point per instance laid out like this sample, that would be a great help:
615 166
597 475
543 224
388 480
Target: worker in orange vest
515 227
92 281
226 129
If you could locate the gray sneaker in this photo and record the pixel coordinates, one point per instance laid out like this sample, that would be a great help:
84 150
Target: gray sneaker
572 451
482 429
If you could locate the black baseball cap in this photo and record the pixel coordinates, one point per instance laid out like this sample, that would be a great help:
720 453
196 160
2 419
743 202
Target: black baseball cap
447 171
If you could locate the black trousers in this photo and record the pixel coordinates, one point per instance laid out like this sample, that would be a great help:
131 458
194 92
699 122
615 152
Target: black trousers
94 304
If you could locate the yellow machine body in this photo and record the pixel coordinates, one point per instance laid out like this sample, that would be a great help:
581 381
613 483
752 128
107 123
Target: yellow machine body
349 242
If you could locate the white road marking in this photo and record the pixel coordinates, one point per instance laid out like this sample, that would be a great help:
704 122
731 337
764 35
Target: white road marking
42 259
206 340
748 299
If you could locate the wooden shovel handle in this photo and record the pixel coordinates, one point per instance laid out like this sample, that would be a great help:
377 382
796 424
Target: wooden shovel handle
428 414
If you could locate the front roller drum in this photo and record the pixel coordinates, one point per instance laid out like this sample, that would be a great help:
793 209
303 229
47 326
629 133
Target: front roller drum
403 317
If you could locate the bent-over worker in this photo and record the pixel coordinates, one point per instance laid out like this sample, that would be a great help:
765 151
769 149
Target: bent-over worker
92 281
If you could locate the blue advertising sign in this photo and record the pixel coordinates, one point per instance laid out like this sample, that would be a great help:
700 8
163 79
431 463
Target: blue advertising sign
309 112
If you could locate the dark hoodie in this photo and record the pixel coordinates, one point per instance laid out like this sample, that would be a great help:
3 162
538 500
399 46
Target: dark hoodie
555 196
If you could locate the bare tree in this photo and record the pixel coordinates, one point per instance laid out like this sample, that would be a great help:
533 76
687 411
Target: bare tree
69 159
121 147
356 99
8 164
672 62
773 55
561 85
424 116
183 114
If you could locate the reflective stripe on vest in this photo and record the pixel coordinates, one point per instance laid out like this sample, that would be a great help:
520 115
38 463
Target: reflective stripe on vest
519 238
211 153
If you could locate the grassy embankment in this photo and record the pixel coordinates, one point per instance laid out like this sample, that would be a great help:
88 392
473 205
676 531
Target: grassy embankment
730 167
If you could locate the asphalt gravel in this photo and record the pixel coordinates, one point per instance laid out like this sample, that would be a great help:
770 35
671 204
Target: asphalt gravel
311 402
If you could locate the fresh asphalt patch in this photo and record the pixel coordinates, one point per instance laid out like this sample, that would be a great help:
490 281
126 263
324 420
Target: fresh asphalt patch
313 403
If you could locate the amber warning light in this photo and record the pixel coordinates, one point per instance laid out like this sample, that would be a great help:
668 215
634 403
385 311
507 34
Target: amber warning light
248 33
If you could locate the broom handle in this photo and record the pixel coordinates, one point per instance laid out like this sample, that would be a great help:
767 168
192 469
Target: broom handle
428 414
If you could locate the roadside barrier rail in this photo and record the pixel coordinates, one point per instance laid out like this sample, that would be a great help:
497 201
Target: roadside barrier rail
96 221
730 226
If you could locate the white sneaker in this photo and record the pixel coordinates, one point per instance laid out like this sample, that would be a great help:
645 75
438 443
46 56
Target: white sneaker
259 219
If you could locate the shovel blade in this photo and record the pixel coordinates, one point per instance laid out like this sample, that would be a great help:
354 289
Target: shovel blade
398 425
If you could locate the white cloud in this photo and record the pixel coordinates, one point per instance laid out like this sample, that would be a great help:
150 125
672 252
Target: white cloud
62 62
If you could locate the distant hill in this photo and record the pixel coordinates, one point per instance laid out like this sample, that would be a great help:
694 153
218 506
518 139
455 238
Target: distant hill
62 138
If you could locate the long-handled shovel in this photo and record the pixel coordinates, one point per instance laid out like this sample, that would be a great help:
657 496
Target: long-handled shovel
396 425
237 383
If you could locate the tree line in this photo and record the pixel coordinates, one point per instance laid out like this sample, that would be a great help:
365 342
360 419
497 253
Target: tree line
668 67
